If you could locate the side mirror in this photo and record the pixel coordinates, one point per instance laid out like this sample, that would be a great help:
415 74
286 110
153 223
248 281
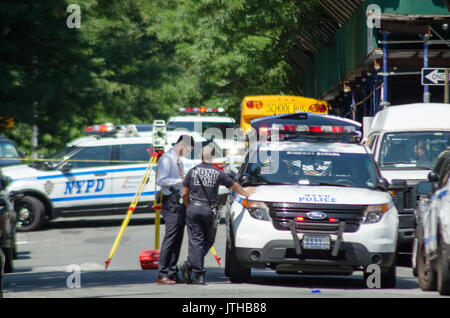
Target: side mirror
425 188
244 179
4 181
382 183
433 177
66 167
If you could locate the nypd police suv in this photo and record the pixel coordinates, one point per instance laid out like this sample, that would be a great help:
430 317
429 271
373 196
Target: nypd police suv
319 205
93 175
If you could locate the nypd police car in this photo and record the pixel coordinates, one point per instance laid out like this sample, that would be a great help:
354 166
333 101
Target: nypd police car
93 175
319 204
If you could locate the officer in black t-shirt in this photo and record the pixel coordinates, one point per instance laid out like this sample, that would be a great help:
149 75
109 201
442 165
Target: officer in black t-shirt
199 217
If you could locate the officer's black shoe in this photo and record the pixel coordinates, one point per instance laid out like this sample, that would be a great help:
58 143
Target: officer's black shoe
186 273
176 278
199 280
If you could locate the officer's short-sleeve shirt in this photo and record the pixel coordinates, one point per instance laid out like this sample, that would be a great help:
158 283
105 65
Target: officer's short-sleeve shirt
211 177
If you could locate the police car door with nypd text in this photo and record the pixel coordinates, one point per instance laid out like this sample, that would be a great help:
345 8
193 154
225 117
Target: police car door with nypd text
320 205
94 175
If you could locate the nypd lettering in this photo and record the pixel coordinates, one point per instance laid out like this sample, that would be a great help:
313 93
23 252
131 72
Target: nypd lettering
84 186
209 176
317 198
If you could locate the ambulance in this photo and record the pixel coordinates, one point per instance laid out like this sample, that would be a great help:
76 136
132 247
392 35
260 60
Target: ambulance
320 205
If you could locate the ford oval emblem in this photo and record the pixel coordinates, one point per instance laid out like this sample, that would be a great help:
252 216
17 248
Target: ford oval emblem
316 215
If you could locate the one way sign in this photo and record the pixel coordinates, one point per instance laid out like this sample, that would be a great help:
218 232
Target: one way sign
433 76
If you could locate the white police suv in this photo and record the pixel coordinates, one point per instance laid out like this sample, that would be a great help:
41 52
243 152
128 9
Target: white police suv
319 205
93 175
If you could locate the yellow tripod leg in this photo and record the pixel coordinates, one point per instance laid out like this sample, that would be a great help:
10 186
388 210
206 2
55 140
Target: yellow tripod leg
213 251
130 212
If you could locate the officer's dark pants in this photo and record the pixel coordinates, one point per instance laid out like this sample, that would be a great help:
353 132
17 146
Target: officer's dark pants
175 220
201 236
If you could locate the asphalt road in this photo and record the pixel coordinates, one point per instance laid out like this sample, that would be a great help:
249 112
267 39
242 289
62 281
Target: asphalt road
46 257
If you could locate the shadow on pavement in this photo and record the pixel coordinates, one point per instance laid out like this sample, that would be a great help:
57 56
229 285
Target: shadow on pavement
68 223
45 281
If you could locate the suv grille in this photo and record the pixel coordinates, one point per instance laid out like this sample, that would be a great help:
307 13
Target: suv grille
282 213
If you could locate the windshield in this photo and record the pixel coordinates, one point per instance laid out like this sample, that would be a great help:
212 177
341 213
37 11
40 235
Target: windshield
205 125
417 150
314 168
8 150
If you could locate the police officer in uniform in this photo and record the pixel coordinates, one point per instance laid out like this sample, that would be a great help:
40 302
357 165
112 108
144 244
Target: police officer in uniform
170 178
199 217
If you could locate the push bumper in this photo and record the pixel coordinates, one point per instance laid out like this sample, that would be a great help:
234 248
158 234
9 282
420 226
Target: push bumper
282 252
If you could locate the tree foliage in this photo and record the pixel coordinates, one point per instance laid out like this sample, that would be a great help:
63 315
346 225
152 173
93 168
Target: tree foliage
133 61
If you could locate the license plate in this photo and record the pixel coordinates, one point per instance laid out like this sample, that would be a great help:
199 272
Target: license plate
316 242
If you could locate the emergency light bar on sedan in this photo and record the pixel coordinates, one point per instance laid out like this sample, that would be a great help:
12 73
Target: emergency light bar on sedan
200 110
309 125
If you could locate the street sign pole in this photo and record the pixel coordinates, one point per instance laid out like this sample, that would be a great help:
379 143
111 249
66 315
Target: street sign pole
446 90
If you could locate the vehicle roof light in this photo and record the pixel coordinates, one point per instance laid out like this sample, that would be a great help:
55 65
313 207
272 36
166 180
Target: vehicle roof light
254 104
264 130
201 110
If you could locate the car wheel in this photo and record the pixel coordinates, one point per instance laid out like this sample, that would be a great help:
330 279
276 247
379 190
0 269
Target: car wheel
427 278
237 273
30 214
227 260
389 277
443 272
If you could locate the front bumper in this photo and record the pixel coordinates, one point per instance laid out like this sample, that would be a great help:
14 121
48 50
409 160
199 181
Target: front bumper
282 252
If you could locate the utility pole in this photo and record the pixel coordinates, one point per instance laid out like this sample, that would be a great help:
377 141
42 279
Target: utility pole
446 88
35 130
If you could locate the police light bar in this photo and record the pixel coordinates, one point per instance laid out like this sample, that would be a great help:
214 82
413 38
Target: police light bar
102 128
310 125
200 110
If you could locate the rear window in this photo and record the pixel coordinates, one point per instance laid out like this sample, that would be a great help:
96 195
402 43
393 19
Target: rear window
135 154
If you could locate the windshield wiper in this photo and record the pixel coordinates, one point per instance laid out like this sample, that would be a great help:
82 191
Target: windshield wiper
330 184
270 183
398 162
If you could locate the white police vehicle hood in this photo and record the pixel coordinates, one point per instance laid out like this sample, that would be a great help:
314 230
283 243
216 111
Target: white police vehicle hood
412 177
24 172
318 195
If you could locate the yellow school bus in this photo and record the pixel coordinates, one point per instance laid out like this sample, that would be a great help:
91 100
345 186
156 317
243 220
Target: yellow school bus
267 105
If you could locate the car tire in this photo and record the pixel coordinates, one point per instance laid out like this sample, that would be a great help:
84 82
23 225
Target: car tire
443 270
35 210
389 277
9 256
227 260
237 273
427 278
